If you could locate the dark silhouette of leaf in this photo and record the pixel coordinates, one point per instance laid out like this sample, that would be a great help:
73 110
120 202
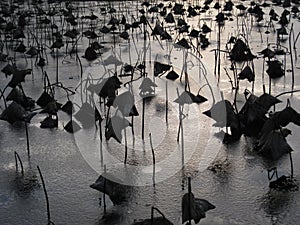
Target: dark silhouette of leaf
109 86
170 18
32 52
114 128
15 112
157 30
7 70
246 73
44 99
198 208
275 69
172 75
18 34
183 43
165 36
240 52
51 108
57 44
96 46
71 34
160 68
17 95
68 107
117 192
205 29
267 53
72 126
49 122
252 115
124 35
274 145
90 54
21 48
18 76
194 33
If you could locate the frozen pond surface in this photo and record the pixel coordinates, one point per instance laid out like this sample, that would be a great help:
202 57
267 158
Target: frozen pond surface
69 162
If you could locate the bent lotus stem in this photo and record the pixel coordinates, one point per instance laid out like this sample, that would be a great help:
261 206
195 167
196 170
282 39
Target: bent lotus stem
46 196
153 158
79 60
152 214
17 158
236 87
295 42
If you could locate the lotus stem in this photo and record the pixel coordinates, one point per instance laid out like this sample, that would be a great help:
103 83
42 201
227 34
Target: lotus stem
46 196
125 138
182 136
167 103
152 214
292 166
27 138
219 53
101 139
190 200
295 42
17 158
143 119
291 56
153 159
104 190
230 80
